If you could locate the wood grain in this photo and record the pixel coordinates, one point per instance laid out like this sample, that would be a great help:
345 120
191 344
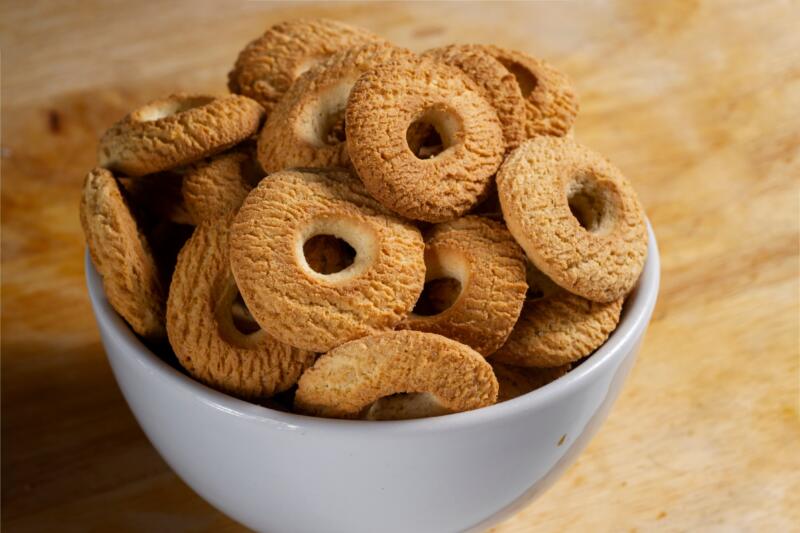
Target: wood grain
698 102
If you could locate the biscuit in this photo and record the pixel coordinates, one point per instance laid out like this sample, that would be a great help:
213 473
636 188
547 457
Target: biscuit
551 105
396 97
267 67
344 382
203 332
122 255
557 327
308 309
575 215
489 267
515 381
177 130
496 84
306 128
218 185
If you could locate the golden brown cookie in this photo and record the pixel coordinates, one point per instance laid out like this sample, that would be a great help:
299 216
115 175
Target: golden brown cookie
159 194
121 255
177 130
488 267
496 83
551 105
575 215
557 327
308 309
408 94
217 186
306 128
268 66
515 381
204 334
344 382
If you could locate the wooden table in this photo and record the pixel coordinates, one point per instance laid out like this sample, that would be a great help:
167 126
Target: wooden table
699 104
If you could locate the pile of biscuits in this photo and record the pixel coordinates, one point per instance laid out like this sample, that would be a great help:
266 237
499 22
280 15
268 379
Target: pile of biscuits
361 231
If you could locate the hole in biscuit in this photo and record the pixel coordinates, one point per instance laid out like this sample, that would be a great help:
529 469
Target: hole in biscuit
587 203
432 133
438 295
525 79
404 406
327 254
242 319
172 106
333 128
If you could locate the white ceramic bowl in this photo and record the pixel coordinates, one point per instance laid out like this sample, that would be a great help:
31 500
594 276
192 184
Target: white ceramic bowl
280 472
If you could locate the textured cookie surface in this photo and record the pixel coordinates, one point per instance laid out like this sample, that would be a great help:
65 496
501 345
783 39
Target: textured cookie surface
121 255
496 84
306 128
557 327
217 186
268 66
176 131
203 332
575 215
388 103
490 268
348 379
551 105
308 309
515 381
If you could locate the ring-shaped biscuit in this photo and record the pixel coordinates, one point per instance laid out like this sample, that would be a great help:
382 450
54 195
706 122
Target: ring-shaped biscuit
122 255
202 329
392 99
306 128
308 309
218 185
344 382
489 267
575 215
177 130
497 85
557 327
268 66
515 381
551 105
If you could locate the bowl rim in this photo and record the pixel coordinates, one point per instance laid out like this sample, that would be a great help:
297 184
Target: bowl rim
635 318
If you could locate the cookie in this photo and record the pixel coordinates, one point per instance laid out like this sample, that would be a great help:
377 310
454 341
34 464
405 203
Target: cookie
204 334
557 327
306 128
575 215
397 99
267 67
306 308
122 255
218 185
488 268
177 130
344 382
496 84
551 105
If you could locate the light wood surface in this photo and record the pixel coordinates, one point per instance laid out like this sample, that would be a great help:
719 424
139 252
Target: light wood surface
699 103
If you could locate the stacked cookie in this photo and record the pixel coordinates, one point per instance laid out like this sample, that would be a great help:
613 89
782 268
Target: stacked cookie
360 231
